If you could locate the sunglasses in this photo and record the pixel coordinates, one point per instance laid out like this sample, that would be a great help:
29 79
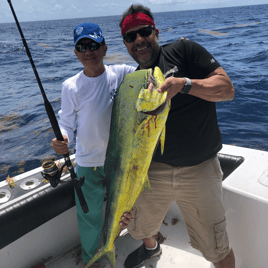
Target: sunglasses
83 46
143 32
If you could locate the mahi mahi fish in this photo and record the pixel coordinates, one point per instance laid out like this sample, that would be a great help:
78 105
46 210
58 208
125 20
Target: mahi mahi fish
138 123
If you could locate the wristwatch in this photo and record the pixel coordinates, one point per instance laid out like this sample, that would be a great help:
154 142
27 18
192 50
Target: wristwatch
187 86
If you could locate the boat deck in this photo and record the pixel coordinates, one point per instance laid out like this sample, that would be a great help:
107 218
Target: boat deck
176 249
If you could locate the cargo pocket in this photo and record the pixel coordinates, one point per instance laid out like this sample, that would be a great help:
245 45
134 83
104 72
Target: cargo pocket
133 221
221 237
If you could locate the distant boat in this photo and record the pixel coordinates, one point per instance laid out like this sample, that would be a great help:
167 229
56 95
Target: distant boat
38 223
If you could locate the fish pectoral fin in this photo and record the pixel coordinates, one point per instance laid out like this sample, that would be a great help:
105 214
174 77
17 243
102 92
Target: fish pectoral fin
150 100
162 139
147 184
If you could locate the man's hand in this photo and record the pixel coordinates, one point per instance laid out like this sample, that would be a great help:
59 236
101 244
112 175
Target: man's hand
173 85
60 147
125 219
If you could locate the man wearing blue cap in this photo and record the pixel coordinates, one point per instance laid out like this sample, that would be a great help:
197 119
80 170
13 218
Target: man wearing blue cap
86 106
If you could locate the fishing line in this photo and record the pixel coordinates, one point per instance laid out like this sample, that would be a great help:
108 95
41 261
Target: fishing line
54 123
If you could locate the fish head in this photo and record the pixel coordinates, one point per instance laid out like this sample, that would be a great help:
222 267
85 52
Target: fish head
152 102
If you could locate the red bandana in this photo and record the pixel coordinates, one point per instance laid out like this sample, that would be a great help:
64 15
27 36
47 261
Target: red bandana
135 19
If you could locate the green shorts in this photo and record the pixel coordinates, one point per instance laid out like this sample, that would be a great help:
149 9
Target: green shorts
90 224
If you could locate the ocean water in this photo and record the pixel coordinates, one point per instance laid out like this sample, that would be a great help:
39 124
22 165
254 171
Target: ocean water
237 37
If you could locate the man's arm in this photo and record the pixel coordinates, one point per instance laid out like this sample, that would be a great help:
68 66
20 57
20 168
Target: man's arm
216 87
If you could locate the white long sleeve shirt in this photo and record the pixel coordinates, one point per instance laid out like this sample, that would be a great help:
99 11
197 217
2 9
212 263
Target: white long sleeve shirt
86 106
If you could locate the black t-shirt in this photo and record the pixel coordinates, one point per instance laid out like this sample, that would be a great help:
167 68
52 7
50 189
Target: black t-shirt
192 132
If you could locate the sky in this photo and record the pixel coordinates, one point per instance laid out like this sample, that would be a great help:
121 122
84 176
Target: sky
34 10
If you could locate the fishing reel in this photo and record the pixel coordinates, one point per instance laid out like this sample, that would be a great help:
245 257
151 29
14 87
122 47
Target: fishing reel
51 172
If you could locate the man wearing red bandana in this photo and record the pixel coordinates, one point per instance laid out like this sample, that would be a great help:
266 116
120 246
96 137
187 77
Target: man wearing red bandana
189 171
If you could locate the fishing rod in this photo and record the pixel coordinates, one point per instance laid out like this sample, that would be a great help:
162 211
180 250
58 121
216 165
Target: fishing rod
54 123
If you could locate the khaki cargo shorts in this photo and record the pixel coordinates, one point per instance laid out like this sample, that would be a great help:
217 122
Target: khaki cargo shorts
197 191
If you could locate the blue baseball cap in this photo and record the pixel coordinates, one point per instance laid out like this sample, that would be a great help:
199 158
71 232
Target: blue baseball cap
88 30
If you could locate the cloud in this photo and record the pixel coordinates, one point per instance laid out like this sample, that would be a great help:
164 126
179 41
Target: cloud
31 10
34 10
162 1
58 7
107 4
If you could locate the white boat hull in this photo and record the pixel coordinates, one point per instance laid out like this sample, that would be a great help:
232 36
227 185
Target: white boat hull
246 200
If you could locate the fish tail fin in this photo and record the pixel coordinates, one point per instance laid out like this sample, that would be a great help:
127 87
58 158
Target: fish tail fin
162 139
110 253
111 258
